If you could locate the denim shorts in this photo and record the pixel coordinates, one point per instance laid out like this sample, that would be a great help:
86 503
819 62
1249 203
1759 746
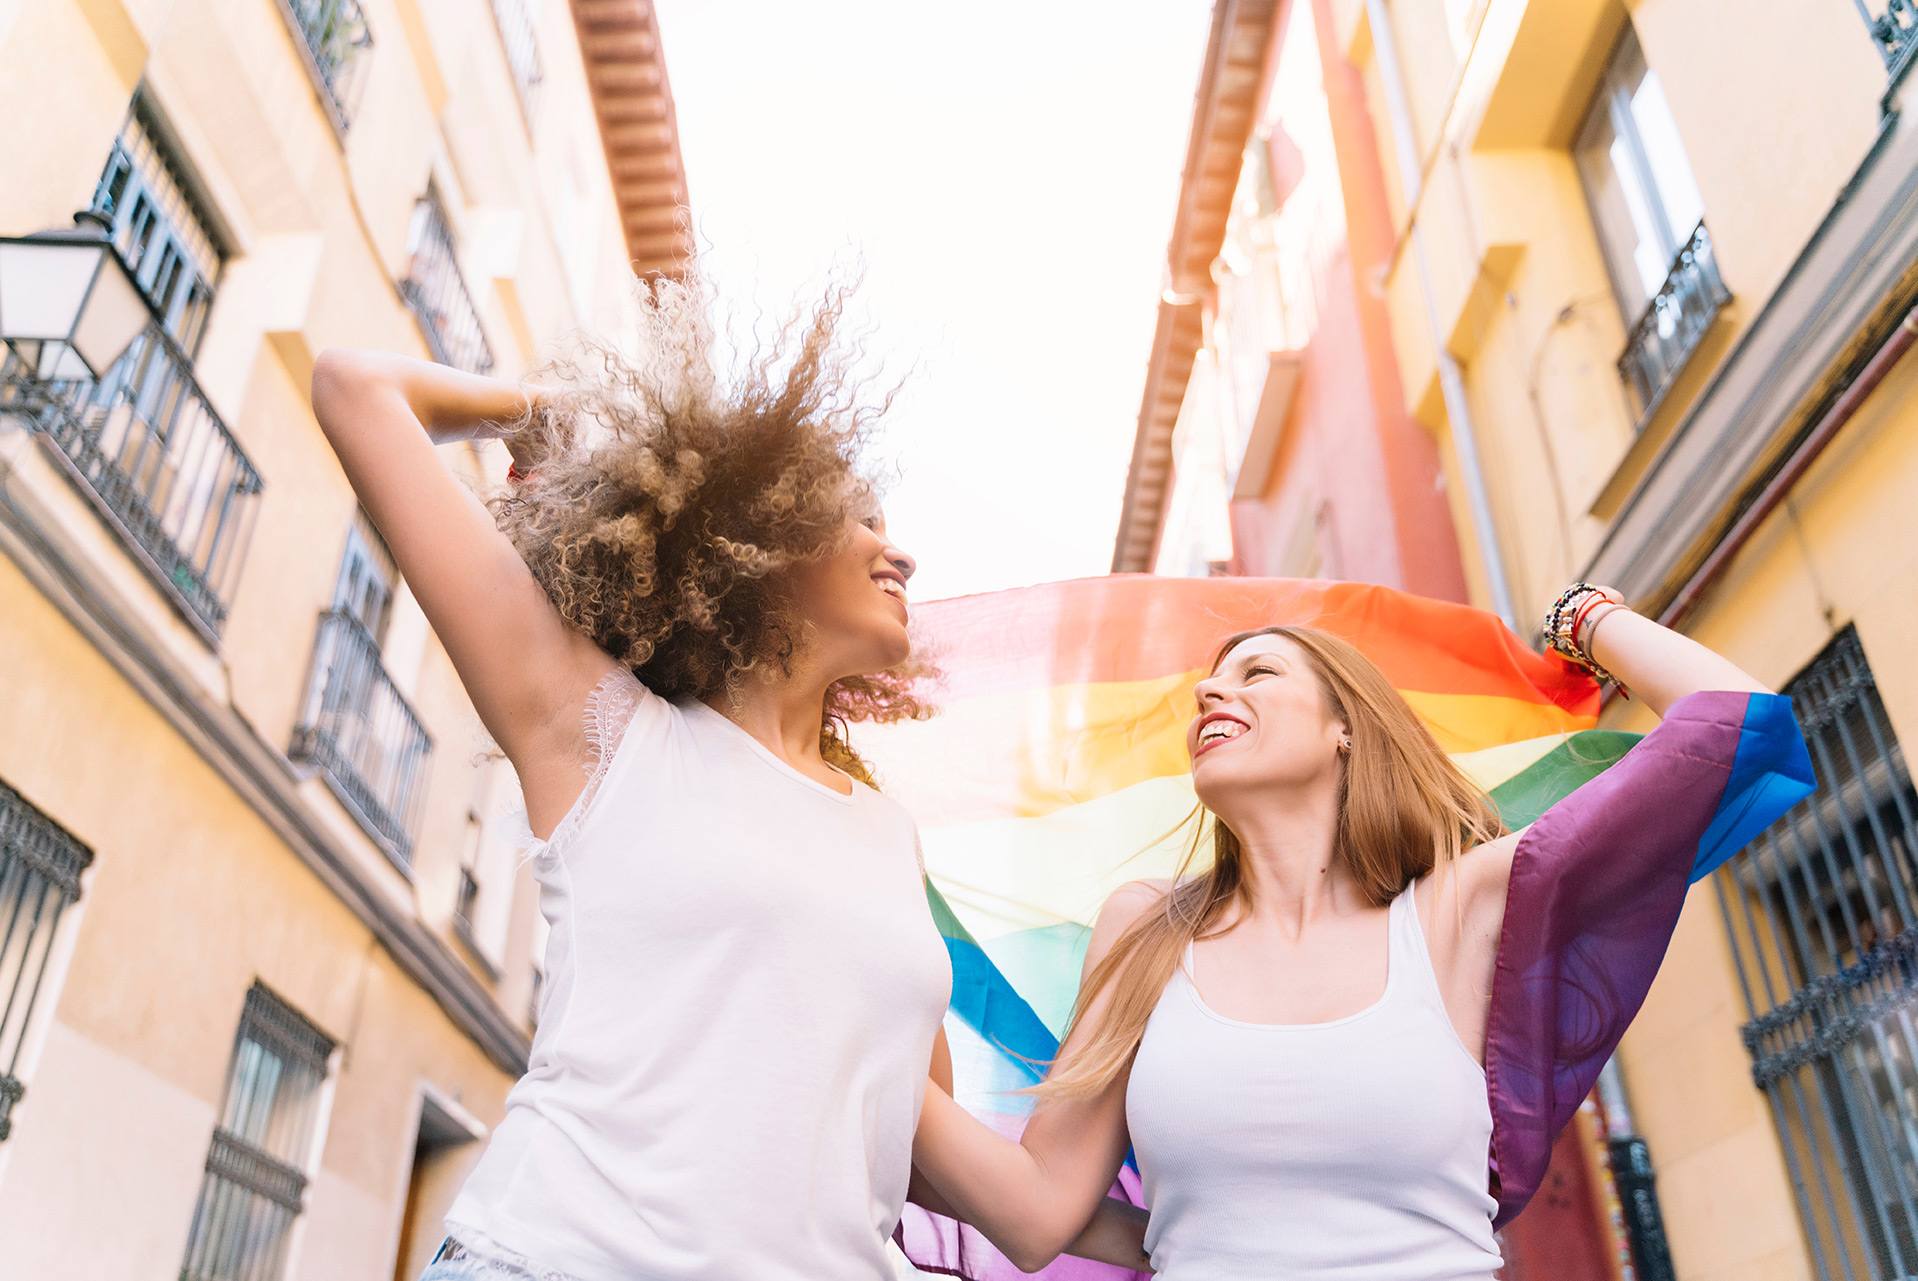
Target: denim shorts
455 1262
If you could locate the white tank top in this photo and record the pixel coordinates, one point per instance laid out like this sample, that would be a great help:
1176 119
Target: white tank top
743 983
1354 1149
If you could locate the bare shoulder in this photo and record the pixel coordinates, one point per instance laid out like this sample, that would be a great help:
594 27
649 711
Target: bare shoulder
1123 906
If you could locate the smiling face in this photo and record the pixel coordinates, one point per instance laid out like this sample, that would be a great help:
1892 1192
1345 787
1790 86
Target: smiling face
855 601
1263 722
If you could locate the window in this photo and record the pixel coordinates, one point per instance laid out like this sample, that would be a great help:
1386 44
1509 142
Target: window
143 442
467 900
255 1183
40 867
367 576
1650 222
1822 913
437 293
336 43
516 19
159 229
355 724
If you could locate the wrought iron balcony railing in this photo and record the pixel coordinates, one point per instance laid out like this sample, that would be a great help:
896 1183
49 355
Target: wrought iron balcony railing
338 42
522 52
1674 321
1895 31
360 730
437 293
151 452
40 867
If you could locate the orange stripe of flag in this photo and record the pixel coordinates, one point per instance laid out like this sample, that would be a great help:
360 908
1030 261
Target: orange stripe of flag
1139 627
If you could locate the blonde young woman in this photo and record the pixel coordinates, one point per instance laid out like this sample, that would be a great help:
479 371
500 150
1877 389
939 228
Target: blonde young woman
665 626
1343 1050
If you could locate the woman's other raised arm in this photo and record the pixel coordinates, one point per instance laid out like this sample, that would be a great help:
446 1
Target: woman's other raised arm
1658 665
1034 1198
528 673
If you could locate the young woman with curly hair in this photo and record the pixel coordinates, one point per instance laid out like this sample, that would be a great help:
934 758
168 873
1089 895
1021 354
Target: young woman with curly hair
666 625
1343 1049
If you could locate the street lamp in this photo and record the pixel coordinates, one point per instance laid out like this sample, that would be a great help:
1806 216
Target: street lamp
68 305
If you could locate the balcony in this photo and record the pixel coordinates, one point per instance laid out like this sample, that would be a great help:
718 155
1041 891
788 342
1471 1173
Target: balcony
1674 322
337 42
145 445
1895 31
437 294
522 53
363 734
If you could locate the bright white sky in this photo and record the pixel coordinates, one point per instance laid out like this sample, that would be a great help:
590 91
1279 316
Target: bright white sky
1006 172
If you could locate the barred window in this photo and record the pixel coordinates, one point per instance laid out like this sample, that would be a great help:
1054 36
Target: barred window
1822 912
40 867
255 1183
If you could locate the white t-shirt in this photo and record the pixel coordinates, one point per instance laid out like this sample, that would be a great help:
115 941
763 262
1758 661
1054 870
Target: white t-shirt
743 984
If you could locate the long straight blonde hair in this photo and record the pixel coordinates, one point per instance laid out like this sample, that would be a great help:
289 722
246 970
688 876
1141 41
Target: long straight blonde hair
1404 809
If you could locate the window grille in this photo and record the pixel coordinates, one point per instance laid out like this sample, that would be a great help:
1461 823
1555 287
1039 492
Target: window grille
336 43
355 724
1894 31
437 293
1649 217
40 867
1820 912
516 19
255 1181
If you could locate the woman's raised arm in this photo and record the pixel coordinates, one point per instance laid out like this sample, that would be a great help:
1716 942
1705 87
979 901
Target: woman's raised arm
1657 664
1035 1197
528 673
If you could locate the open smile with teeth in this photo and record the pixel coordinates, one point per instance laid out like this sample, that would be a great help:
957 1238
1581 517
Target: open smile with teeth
1218 731
891 586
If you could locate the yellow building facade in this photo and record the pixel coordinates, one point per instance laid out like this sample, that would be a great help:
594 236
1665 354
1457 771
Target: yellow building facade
1649 291
1647 272
268 955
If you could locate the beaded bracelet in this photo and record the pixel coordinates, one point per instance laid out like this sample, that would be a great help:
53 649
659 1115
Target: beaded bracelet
1567 616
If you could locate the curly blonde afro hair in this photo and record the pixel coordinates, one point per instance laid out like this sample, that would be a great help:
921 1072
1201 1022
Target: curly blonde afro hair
665 502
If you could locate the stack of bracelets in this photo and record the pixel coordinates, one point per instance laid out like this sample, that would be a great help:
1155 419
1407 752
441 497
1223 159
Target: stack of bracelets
1569 623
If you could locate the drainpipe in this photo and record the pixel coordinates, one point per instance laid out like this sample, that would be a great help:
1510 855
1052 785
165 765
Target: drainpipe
1635 1181
1457 412
1840 413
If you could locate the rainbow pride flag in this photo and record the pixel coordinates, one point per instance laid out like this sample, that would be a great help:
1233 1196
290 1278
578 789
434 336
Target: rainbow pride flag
1056 769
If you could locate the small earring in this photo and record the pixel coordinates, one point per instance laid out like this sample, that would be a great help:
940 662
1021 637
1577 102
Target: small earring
1345 744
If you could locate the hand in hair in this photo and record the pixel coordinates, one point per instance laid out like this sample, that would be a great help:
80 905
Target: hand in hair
527 671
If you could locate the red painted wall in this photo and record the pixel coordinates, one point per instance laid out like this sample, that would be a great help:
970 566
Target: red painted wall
1352 461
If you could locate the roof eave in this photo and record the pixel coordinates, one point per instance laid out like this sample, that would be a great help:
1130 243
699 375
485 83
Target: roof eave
625 63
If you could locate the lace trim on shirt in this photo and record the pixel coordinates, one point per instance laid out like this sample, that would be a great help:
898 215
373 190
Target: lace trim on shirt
609 712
